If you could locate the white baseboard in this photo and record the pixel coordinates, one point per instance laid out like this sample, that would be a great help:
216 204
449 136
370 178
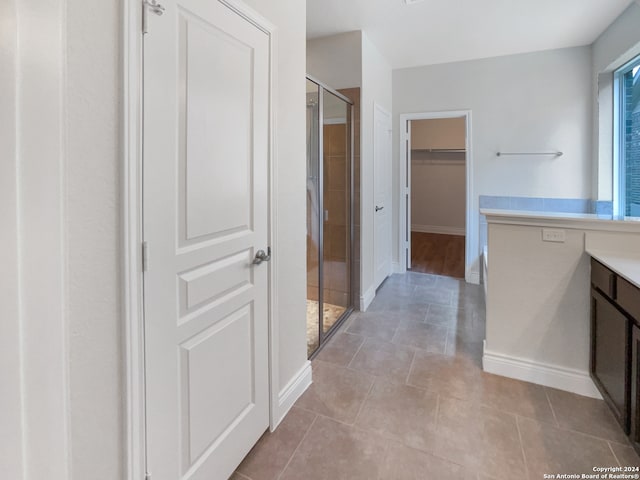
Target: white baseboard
367 298
292 392
472 277
567 379
438 229
396 267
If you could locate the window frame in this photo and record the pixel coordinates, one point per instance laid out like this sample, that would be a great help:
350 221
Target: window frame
619 140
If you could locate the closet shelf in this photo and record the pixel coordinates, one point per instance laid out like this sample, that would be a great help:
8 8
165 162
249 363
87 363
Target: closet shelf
439 150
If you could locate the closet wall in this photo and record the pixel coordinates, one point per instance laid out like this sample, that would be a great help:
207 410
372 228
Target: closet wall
438 178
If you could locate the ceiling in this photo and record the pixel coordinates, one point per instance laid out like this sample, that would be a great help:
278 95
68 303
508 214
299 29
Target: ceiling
440 31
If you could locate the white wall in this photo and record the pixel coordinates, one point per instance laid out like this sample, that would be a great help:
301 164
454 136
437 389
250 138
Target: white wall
93 98
438 133
438 195
290 18
336 60
62 329
618 44
438 181
376 89
531 102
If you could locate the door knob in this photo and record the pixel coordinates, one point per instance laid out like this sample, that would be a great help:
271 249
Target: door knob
378 208
261 256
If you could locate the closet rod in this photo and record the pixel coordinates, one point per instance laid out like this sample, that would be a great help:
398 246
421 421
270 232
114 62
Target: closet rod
555 154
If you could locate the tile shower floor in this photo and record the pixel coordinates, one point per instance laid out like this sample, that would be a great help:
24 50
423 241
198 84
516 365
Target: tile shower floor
399 393
331 314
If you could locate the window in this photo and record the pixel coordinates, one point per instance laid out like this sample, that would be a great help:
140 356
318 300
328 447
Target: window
627 139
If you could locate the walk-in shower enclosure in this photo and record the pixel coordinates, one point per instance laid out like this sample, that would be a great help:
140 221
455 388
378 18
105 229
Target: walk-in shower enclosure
329 211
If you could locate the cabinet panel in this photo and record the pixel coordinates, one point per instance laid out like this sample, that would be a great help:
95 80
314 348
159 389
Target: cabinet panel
610 355
634 434
603 279
628 297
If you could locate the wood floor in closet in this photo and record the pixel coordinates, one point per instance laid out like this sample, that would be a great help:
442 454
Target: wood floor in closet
437 254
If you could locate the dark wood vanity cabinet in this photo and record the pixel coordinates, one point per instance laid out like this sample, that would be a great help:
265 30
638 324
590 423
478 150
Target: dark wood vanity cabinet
615 346
634 406
610 355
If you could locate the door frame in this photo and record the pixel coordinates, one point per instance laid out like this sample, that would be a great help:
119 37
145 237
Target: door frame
471 227
131 211
379 108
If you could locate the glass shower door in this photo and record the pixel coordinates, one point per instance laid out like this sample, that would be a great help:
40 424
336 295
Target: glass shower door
329 212
336 189
314 216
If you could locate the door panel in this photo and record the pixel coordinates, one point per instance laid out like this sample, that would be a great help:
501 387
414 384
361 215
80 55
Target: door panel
206 123
382 194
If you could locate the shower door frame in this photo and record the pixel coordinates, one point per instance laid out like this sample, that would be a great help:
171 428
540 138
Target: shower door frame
322 336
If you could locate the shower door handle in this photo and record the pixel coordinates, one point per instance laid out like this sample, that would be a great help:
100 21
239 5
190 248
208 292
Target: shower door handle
378 208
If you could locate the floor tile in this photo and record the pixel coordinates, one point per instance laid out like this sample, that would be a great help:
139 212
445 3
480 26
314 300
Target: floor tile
399 305
549 449
341 349
270 455
482 439
446 375
517 397
400 412
432 295
416 279
332 451
586 415
449 316
431 338
468 350
384 359
626 455
395 290
239 476
377 325
336 392
404 463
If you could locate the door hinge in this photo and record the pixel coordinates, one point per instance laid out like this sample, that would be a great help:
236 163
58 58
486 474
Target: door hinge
150 6
145 256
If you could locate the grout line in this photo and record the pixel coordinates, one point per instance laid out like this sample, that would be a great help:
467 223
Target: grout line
364 401
304 437
242 475
614 455
446 340
364 340
524 456
555 419
413 357
435 426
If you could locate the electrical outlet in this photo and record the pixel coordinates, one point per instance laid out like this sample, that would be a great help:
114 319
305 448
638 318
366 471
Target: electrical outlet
552 235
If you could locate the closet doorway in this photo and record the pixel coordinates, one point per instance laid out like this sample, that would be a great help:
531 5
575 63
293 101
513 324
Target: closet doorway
435 191
329 212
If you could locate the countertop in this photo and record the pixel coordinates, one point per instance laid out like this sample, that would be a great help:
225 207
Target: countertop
627 265
494 212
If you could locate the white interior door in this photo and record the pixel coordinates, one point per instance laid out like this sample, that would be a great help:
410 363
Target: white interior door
205 198
382 193
407 197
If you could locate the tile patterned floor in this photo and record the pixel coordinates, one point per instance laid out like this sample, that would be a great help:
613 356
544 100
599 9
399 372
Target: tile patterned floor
399 394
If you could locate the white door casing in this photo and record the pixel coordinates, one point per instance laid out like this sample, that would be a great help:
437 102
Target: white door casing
472 274
205 216
382 193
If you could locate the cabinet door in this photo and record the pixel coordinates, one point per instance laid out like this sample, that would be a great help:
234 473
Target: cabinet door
634 435
610 355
